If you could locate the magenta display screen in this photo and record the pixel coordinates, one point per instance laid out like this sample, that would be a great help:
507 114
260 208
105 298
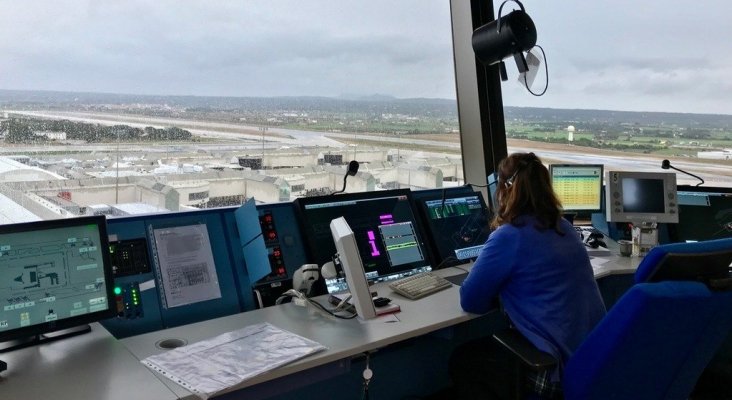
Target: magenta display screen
384 225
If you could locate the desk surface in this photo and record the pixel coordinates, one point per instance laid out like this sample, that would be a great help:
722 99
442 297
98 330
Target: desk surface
96 365
609 262
343 338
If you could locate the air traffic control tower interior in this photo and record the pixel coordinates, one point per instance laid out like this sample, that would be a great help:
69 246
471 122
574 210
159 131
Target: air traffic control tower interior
87 303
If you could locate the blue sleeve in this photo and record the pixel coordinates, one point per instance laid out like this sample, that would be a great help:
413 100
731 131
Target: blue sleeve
491 270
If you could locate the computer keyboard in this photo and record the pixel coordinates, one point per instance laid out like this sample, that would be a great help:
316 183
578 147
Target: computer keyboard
468 252
420 285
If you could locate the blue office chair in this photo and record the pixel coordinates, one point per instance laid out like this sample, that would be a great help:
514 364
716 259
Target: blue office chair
707 261
653 344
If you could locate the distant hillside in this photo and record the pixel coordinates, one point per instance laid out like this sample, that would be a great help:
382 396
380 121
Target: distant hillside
570 116
353 104
364 104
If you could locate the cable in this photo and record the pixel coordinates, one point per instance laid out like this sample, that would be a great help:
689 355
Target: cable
292 293
446 262
330 312
252 239
460 268
500 11
546 70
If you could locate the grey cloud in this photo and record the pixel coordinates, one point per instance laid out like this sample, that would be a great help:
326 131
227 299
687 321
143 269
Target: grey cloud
195 48
656 54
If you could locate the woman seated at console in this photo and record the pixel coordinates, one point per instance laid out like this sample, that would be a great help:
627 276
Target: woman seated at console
538 266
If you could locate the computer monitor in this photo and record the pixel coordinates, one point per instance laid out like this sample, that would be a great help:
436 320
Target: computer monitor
638 197
456 223
705 213
385 228
350 259
54 275
578 186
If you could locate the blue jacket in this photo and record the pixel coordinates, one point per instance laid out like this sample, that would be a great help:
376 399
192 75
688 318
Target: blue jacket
545 282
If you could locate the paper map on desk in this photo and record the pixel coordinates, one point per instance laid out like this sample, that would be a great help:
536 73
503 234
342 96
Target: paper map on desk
212 365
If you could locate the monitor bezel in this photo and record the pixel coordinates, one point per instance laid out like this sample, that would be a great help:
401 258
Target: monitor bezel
311 242
79 320
350 258
600 189
614 190
674 230
420 204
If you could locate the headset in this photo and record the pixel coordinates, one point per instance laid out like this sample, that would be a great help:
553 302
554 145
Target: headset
509 181
531 157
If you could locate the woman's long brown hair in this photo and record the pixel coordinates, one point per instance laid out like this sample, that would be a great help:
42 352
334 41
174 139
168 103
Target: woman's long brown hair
524 188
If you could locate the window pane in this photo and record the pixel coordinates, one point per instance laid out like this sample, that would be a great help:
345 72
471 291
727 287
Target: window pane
630 84
130 107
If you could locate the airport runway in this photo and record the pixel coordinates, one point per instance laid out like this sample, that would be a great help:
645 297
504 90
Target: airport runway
242 137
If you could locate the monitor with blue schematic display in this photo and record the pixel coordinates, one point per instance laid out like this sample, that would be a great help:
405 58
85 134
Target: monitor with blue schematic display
385 228
54 275
578 186
638 197
457 225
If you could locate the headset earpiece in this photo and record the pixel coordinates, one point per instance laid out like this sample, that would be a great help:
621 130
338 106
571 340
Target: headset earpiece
509 181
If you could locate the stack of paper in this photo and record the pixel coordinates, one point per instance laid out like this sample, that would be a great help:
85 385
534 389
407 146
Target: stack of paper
226 360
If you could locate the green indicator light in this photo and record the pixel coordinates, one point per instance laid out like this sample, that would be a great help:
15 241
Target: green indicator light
117 290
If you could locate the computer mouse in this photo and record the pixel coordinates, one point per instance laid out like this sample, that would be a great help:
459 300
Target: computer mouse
381 301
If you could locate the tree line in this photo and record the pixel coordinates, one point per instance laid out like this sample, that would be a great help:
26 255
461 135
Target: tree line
29 130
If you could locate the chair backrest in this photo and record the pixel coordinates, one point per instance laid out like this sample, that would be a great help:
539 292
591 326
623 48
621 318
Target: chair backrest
706 262
653 344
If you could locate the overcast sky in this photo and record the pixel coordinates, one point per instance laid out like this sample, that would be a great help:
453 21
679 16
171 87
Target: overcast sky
650 55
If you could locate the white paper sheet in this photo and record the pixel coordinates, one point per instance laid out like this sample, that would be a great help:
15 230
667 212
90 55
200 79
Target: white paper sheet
187 270
212 365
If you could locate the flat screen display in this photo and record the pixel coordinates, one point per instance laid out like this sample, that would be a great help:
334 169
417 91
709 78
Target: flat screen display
384 226
54 275
643 195
457 225
703 215
578 186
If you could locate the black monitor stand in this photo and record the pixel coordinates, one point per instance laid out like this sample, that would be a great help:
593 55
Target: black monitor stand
43 338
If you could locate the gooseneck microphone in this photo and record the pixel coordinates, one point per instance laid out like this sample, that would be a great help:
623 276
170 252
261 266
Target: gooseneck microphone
352 170
666 164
